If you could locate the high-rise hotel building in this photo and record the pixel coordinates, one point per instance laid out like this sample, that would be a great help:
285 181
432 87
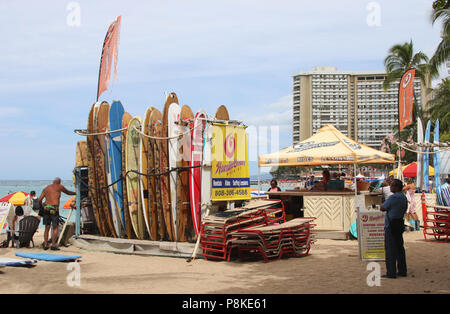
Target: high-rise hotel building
355 102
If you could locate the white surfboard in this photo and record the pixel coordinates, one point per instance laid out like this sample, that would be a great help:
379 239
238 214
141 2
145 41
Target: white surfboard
206 169
419 156
142 178
174 145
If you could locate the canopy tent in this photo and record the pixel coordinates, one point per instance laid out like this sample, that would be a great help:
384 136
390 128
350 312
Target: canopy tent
327 147
410 171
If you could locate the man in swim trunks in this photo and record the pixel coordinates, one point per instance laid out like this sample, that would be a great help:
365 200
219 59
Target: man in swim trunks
52 195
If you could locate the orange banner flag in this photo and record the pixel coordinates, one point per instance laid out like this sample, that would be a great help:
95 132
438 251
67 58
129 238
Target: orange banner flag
406 99
110 54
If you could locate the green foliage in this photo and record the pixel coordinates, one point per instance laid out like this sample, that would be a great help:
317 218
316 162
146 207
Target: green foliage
401 58
439 108
285 172
441 12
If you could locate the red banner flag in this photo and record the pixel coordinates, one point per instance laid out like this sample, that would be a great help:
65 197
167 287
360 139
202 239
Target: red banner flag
406 99
110 53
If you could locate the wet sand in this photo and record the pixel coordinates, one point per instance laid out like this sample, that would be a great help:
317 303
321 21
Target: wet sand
332 267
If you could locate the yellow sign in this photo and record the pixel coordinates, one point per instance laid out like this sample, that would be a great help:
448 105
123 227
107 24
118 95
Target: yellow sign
230 171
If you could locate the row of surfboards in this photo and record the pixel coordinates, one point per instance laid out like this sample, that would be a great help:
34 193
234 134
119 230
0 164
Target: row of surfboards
152 178
425 159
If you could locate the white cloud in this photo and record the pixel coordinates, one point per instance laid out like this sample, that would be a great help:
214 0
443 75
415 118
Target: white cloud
278 113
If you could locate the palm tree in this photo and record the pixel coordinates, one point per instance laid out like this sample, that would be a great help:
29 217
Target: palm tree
441 11
402 58
438 107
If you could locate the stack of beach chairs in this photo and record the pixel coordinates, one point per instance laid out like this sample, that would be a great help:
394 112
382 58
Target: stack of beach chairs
259 227
292 238
436 222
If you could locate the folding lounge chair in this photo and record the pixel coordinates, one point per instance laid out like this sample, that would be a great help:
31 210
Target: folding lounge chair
27 228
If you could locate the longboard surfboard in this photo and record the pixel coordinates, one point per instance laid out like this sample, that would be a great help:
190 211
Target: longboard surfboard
144 148
426 158
157 226
436 161
128 225
221 115
419 156
133 180
48 256
195 184
173 132
101 125
92 174
164 167
114 145
14 262
184 218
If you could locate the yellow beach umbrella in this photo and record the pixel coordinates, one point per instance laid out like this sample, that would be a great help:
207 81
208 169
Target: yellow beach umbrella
18 199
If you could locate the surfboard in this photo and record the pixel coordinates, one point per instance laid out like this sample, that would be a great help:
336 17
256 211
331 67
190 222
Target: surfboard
222 113
114 141
128 225
48 257
206 170
101 125
14 262
426 158
144 148
419 175
174 143
133 180
157 226
436 161
92 175
164 167
5 208
195 184
184 219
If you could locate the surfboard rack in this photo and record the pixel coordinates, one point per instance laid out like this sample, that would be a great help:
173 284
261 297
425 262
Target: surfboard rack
134 247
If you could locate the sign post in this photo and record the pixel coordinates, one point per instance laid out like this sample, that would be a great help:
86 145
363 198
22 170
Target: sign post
371 235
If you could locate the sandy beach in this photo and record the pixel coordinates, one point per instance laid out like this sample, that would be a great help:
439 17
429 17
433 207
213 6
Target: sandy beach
332 267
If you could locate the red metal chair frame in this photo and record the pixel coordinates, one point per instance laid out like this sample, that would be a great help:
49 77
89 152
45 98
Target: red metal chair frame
435 223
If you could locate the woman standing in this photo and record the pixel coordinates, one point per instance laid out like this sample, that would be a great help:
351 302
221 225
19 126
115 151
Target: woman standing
274 186
411 215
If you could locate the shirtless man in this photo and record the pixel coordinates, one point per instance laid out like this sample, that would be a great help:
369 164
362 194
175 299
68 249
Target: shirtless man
52 194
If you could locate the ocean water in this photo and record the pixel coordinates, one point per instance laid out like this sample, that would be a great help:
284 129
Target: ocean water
10 186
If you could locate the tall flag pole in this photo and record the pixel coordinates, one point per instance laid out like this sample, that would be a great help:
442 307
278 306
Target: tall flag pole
110 53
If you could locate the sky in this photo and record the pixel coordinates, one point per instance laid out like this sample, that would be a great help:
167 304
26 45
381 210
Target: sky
238 53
